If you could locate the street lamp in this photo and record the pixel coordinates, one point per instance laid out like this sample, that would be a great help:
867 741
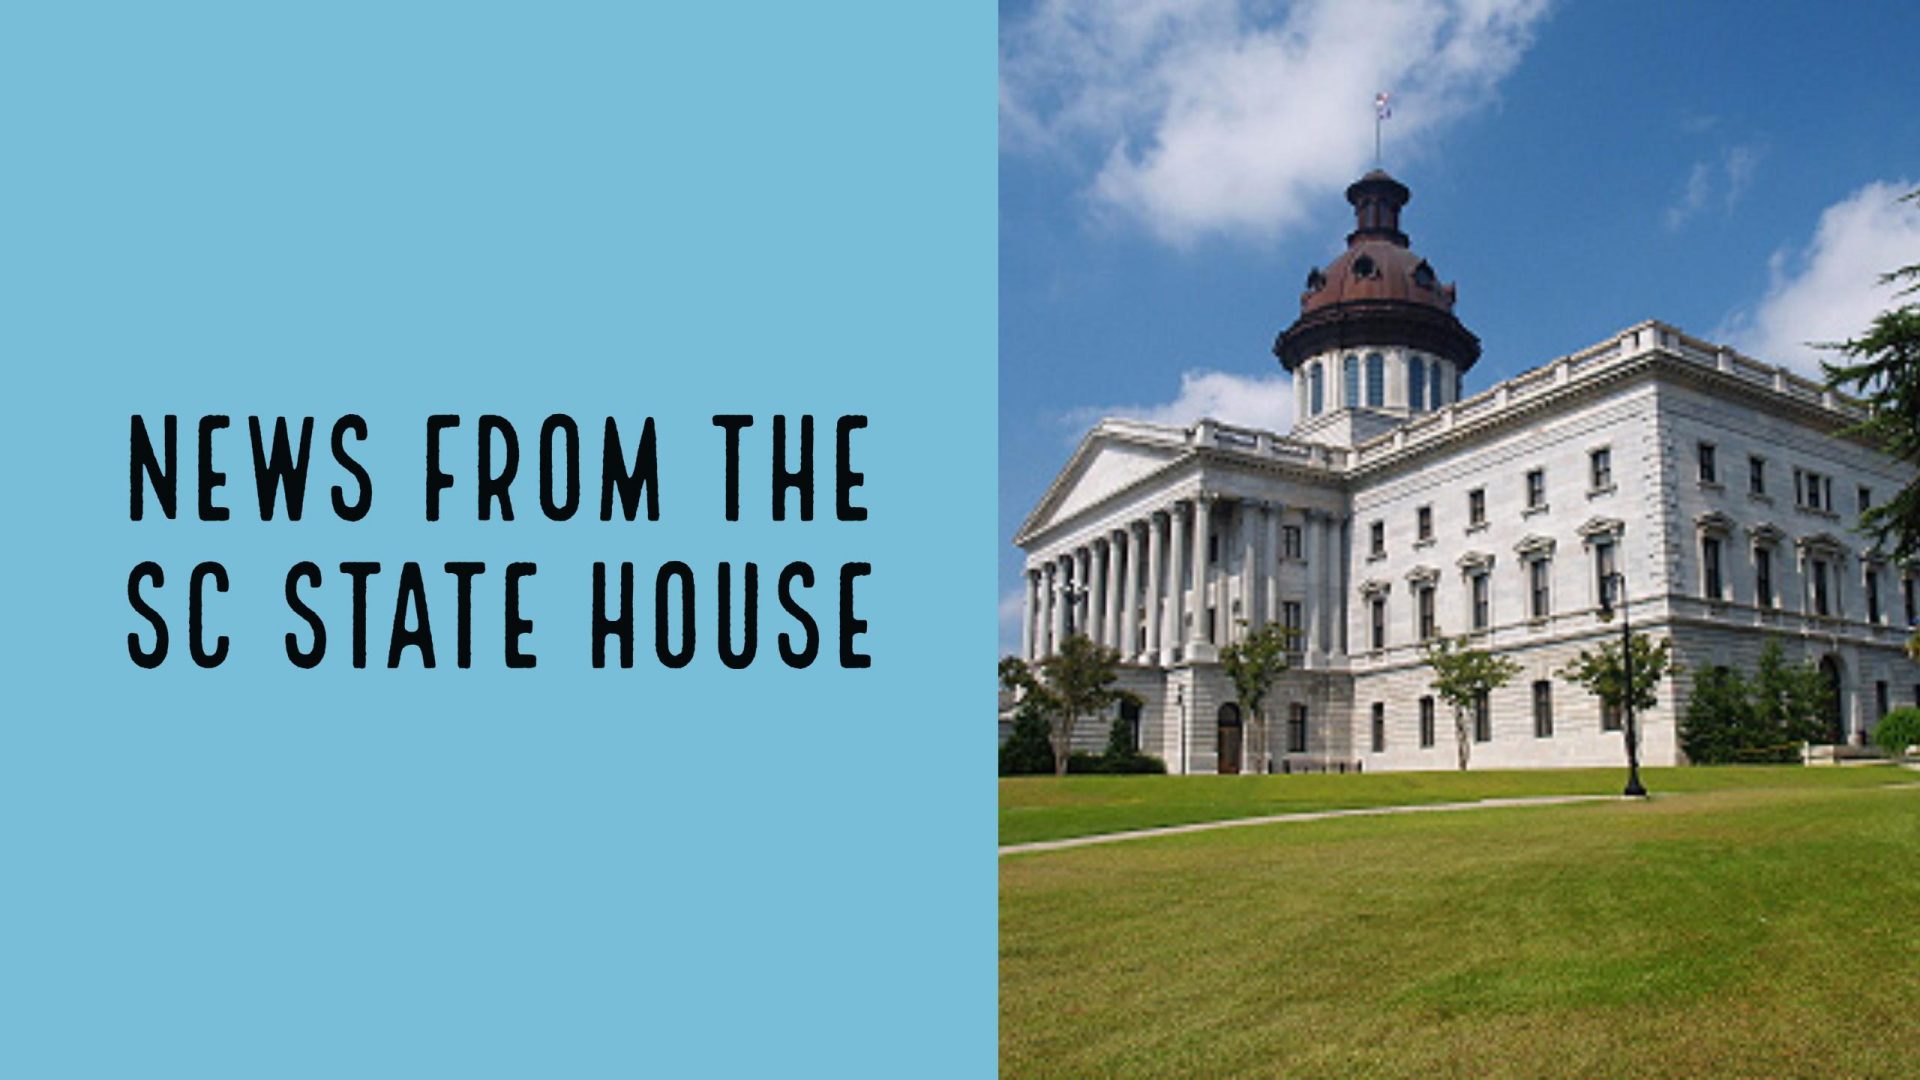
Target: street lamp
1613 581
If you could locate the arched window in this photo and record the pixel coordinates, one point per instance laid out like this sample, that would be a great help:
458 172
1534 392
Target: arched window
1316 392
1433 383
1417 383
1376 380
1350 372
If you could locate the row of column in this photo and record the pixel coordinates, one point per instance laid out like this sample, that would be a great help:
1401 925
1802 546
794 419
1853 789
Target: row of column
1139 591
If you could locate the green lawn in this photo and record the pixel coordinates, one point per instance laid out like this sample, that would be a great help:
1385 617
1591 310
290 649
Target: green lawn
1751 931
1049 808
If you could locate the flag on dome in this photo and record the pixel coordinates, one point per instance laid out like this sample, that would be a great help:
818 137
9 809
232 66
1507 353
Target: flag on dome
1381 108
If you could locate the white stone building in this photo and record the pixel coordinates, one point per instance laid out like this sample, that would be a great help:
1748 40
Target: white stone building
1720 487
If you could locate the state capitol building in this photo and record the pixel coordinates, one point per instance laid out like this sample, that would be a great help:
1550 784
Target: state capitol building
1397 509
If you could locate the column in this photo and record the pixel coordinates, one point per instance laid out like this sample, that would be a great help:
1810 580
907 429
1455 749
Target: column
1130 597
1173 633
1082 558
1056 611
1156 589
1202 574
1110 621
1270 561
1316 591
1029 610
1097 562
1249 565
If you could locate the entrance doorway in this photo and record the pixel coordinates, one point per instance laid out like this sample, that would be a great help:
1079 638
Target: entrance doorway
1229 744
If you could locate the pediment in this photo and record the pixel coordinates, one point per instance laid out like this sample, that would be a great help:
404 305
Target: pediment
1601 526
1113 457
1474 562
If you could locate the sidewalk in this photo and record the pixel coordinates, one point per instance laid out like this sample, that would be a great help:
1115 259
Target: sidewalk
1311 815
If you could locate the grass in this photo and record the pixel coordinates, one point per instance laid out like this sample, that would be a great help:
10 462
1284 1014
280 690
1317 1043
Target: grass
1050 808
1748 930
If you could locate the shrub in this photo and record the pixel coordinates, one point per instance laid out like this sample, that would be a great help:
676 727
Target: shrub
1028 751
1898 730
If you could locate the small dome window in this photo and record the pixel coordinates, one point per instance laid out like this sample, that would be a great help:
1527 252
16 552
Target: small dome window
1423 275
1363 266
1316 280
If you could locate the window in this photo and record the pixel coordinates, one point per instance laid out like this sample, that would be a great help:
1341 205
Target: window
1866 499
1379 622
1426 722
1756 475
1130 716
1297 729
1908 591
1873 596
1433 383
1290 620
1600 468
1610 717
1763 577
1476 507
1424 606
1812 490
1540 598
1423 523
1709 464
1603 570
1377 539
1213 547
1543 709
1380 726
1316 390
1882 700
1376 380
1290 540
1482 614
1537 489
1818 569
1482 718
1710 566
1350 374
1416 383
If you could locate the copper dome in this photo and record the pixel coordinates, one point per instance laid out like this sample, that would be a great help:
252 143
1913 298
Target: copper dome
1378 291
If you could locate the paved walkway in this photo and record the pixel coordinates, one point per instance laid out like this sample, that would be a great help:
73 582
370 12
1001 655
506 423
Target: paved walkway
1311 815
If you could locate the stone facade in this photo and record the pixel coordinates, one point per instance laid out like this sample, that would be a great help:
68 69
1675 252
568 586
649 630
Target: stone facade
1709 480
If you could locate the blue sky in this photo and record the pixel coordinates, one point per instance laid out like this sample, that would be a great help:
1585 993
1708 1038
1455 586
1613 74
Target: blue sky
1169 172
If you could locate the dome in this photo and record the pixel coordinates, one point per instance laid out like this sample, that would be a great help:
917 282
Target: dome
1378 291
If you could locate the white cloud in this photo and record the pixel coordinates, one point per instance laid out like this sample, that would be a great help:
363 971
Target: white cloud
1227 116
1733 172
1830 290
1262 401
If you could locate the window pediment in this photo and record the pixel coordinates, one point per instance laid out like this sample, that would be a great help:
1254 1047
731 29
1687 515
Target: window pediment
1598 528
1822 544
1713 521
1422 575
1766 533
1534 547
1476 562
1375 587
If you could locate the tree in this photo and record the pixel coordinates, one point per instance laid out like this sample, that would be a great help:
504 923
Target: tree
1075 682
1882 368
1600 673
1463 677
1254 663
1792 702
1718 726
1897 731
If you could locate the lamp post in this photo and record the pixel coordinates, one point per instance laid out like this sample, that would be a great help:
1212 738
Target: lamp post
1618 581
